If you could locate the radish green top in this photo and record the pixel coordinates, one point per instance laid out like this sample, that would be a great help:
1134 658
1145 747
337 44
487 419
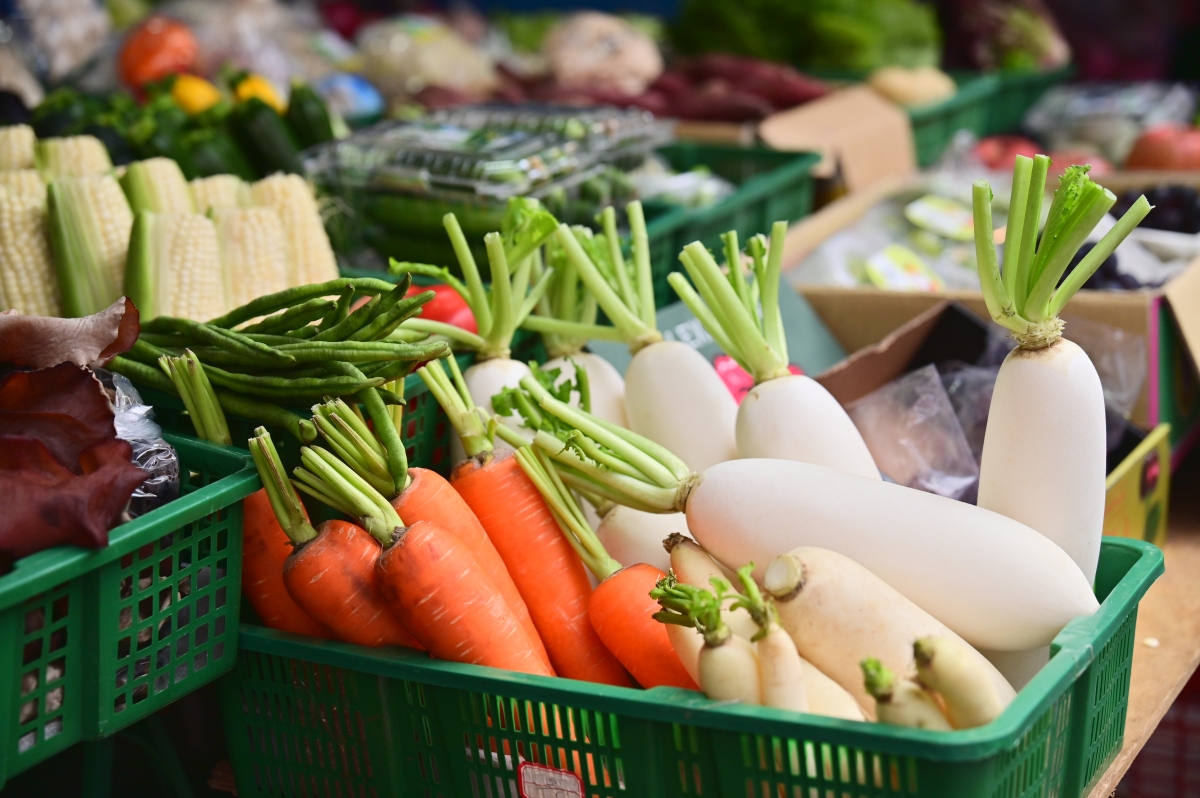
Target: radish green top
729 307
1025 296
626 298
501 307
454 398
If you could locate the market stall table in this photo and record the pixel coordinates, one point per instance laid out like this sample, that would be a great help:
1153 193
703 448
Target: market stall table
1170 615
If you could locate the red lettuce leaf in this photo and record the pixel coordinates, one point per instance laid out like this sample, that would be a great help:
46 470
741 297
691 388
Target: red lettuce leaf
64 407
41 342
47 506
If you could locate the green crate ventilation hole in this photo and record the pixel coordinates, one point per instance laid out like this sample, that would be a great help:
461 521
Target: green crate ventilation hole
44 655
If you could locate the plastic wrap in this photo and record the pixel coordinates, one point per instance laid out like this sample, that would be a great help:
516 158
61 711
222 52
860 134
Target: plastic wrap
914 435
135 423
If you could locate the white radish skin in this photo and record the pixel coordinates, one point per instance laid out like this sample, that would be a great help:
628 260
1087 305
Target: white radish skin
694 566
632 536
994 581
781 672
1044 450
839 613
1019 667
910 706
795 418
949 667
687 642
729 672
605 384
827 697
484 380
674 397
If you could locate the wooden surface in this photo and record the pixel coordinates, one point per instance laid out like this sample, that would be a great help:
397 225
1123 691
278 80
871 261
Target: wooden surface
1170 614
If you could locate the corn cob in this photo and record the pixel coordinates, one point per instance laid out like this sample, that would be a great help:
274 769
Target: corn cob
253 253
27 280
89 221
157 184
73 156
219 192
16 147
24 183
310 257
175 266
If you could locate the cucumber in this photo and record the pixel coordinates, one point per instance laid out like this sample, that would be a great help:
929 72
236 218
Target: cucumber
263 137
307 117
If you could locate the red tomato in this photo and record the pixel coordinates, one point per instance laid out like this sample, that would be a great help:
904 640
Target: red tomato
1000 152
1061 159
446 307
1166 147
154 49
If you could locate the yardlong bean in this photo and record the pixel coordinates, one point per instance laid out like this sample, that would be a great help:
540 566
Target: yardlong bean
285 388
292 296
215 336
383 324
293 318
339 311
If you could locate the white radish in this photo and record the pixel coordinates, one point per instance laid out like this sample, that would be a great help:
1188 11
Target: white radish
605 384
687 642
795 418
674 397
632 536
780 668
785 416
827 697
692 565
484 380
728 670
838 613
1019 667
951 668
1044 450
1043 460
992 580
901 702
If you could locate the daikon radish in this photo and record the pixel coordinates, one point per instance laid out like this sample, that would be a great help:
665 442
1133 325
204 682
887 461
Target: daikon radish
693 566
780 668
785 416
1019 667
827 697
1044 449
673 395
518 283
634 536
901 702
605 384
951 668
838 613
994 581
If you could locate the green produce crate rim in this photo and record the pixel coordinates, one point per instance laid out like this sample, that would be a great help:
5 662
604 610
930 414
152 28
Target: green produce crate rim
1076 644
971 88
752 190
38 572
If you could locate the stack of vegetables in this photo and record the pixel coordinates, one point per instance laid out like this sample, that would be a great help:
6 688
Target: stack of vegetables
855 598
74 237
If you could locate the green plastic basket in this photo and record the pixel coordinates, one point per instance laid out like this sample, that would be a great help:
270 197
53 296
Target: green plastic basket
95 639
772 186
1015 94
933 126
307 717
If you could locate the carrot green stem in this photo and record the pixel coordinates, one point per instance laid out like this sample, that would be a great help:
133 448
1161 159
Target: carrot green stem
284 501
389 436
351 491
570 518
355 444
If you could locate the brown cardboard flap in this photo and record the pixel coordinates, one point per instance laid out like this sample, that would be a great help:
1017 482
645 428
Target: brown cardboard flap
874 366
869 136
1184 295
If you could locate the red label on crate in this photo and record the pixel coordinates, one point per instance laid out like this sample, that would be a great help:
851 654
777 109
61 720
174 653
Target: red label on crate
737 379
543 781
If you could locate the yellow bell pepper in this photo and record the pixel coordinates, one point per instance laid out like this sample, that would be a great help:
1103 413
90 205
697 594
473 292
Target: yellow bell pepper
194 95
260 87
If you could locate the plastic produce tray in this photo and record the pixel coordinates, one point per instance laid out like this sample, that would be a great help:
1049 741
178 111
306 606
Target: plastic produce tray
319 718
94 640
1015 93
933 126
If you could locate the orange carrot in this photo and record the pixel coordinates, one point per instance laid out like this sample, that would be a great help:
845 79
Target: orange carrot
332 577
429 497
622 612
448 600
265 548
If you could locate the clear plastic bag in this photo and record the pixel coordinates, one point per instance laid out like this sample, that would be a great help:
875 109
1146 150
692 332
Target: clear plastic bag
970 390
1120 360
915 437
135 423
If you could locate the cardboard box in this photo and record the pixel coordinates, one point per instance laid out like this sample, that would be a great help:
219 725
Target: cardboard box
1168 318
1138 484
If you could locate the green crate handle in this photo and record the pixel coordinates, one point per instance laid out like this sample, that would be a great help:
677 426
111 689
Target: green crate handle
31 575
1077 644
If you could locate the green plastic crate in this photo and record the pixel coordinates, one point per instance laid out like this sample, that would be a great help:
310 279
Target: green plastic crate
772 186
1015 94
933 126
307 718
94 640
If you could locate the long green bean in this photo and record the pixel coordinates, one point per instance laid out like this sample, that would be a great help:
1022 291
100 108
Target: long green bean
291 319
284 388
339 311
294 296
383 324
215 336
